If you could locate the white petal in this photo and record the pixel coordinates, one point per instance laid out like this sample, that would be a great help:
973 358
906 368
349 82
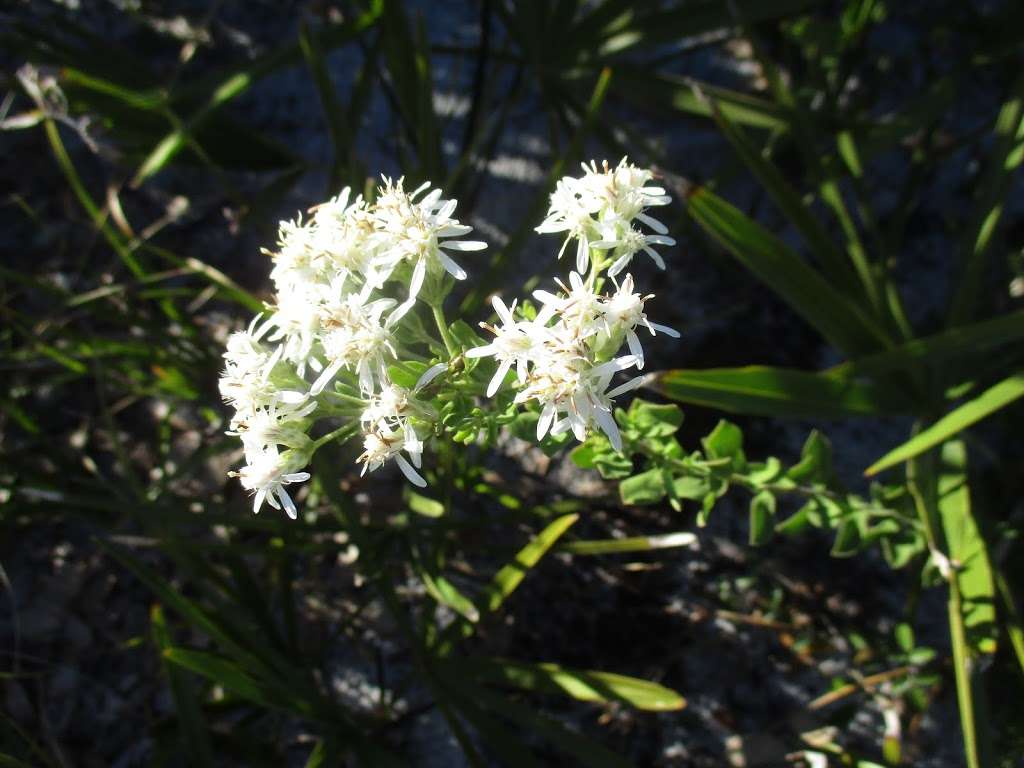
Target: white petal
502 311
447 209
620 264
635 348
418 273
261 494
399 312
629 385
413 476
289 505
665 329
484 351
296 477
451 267
454 230
463 245
653 223
582 255
499 377
609 427
325 378
547 415
655 257
429 375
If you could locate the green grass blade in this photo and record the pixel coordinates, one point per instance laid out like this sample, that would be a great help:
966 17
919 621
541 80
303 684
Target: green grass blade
676 92
1005 158
584 685
235 83
971 597
334 113
946 348
777 392
628 544
227 674
587 751
836 318
825 250
966 547
988 402
194 736
510 576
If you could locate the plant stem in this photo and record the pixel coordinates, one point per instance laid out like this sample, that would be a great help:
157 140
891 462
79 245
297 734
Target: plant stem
346 430
442 326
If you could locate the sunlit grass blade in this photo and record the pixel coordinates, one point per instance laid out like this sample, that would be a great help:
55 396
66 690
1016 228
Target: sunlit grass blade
777 392
194 736
1004 159
510 576
629 544
974 410
584 685
971 604
834 316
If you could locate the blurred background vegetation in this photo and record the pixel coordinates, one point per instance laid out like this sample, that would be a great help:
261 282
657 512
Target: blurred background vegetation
849 218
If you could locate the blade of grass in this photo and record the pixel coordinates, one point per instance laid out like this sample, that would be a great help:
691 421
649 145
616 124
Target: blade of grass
988 402
628 544
776 392
1003 161
583 685
507 579
194 737
238 82
829 312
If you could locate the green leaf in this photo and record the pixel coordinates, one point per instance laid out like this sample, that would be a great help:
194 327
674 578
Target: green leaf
815 463
194 736
821 244
446 593
423 505
841 321
777 392
225 673
941 348
584 685
988 402
847 541
654 419
967 549
762 518
629 544
1005 158
646 488
724 442
510 576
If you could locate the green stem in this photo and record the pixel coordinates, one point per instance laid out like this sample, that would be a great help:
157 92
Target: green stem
962 664
442 326
345 430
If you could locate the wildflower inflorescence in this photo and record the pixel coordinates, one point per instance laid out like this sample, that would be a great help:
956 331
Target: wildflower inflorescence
347 279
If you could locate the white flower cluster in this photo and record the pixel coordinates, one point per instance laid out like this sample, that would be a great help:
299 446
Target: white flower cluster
564 358
332 315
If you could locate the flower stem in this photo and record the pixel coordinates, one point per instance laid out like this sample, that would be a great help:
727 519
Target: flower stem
442 326
345 431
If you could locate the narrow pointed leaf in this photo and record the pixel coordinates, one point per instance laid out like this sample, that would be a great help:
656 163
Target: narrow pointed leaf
954 422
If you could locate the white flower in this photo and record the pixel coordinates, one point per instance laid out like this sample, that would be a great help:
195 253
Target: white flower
515 343
419 232
382 441
267 473
628 244
572 210
355 338
245 382
273 425
577 309
570 384
624 311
